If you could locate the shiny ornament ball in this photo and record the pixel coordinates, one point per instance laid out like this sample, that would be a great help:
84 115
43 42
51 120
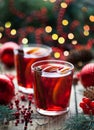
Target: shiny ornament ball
6 53
86 75
7 89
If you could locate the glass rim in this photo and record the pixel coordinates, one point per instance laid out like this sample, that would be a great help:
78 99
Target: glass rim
52 61
49 49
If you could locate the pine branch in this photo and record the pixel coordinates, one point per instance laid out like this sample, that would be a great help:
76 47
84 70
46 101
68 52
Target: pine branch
80 122
6 114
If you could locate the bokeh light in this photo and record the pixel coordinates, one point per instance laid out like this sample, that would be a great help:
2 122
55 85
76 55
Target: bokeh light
8 24
52 1
24 41
1 29
91 18
61 40
48 29
66 53
74 42
65 22
86 33
70 35
1 35
57 55
64 5
13 32
86 28
54 36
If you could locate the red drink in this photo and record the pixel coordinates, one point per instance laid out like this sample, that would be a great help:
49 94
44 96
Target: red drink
24 57
52 86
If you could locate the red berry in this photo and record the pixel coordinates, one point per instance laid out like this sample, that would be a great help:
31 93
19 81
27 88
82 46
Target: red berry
86 100
82 105
92 104
87 111
23 98
17 102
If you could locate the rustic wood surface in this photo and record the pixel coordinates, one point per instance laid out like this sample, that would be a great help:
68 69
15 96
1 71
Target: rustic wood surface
44 122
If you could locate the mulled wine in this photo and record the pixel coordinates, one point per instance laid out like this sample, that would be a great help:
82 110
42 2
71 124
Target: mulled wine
24 57
52 81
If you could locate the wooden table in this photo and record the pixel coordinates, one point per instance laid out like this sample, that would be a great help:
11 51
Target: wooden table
48 123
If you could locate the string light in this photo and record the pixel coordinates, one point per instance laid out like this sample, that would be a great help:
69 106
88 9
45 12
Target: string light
84 9
86 33
66 53
74 42
48 29
24 41
1 29
13 32
57 55
70 35
65 22
64 5
61 40
86 28
91 18
1 35
54 36
8 24
52 1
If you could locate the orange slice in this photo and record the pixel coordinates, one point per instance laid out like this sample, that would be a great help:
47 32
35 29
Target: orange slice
57 92
63 70
33 50
50 68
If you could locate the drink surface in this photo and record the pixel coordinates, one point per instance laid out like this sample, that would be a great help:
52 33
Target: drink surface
52 86
23 61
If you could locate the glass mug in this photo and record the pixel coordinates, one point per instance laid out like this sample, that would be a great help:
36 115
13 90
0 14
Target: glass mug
52 81
24 57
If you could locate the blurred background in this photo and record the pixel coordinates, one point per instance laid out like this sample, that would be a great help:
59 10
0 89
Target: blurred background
65 25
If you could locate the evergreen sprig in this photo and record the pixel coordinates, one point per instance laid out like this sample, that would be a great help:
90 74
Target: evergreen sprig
79 122
6 114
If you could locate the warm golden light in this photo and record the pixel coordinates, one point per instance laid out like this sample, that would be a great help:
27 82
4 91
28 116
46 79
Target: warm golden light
74 42
84 9
65 22
70 35
57 55
52 1
86 33
13 32
66 53
8 24
1 35
24 40
86 28
64 5
91 18
1 28
48 29
80 63
61 40
54 36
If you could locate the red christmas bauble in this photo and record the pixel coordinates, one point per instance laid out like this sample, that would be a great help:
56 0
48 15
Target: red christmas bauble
6 53
86 75
7 89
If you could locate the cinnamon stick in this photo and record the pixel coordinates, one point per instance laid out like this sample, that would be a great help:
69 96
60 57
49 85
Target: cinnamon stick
21 67
40 88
